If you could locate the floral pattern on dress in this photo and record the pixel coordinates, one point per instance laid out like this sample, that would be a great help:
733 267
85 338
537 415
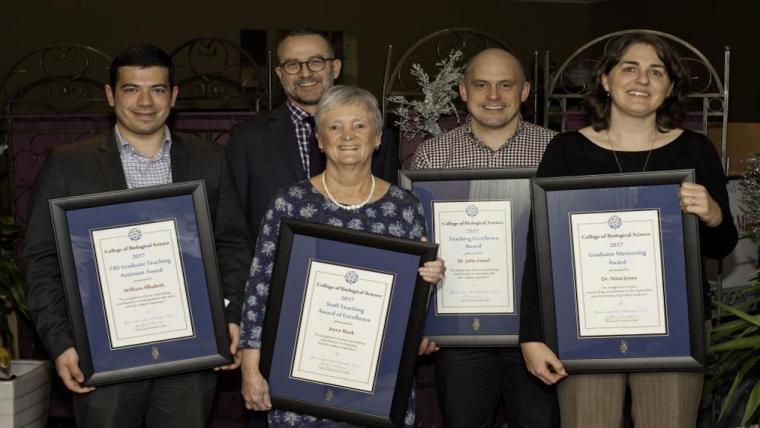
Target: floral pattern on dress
296 192
388 209
396 192
398 213
308 211
255 267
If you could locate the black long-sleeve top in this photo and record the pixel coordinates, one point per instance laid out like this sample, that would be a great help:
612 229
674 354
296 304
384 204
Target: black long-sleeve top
571 153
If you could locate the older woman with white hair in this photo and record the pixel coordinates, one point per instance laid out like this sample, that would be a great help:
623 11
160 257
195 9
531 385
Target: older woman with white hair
346 194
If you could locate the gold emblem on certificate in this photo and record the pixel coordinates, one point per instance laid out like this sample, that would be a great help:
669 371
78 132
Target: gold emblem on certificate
329 394
154 352
623 346
476 324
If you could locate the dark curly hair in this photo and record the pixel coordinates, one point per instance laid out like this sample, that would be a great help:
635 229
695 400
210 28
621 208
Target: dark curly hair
598 101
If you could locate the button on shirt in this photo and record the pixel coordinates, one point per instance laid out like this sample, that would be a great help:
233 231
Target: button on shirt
460 148
141 171
304 131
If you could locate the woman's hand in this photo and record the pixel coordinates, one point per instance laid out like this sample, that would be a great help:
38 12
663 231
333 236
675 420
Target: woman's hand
234 330
427 347
542 363
255 388
432 272
695 199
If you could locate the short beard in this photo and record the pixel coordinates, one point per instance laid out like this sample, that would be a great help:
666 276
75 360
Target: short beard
326 82
302 101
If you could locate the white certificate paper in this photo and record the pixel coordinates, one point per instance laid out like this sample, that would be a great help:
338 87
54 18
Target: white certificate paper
617 259
475 240
342 325
143 283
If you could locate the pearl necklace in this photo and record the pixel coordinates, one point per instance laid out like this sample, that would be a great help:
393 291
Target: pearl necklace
345 206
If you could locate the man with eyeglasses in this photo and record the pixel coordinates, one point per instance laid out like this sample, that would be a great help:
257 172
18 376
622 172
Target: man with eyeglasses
279 149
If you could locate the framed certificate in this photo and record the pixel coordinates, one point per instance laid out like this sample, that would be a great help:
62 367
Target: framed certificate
141 280
343 323
619 272
480 219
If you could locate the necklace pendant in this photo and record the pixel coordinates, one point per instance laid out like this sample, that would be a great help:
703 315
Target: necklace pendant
617 161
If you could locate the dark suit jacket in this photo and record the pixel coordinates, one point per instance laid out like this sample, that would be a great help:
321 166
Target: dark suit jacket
94 166
264 157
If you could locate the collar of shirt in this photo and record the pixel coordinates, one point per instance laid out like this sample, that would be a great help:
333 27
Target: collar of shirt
518 131
298 115
127 149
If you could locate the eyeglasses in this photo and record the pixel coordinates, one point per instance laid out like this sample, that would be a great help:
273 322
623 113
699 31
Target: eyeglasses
314 65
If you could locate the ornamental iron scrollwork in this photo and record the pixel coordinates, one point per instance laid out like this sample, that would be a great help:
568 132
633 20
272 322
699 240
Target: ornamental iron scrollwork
563 97
217 74
56 79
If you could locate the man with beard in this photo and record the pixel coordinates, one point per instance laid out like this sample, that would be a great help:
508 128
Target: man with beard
473 382
280 149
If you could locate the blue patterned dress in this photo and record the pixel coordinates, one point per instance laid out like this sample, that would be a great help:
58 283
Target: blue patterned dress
398 213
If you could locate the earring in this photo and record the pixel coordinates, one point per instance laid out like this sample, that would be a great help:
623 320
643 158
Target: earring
377 147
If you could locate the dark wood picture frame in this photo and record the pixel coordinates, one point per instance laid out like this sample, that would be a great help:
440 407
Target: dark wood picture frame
132 362
334 237
479 329
546 249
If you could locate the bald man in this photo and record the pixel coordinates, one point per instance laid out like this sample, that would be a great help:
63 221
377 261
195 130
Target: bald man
473 382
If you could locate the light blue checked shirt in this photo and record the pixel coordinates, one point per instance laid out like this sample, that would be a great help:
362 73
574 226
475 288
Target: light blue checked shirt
141 171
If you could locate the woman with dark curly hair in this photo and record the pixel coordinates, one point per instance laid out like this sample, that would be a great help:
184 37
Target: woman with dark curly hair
634 95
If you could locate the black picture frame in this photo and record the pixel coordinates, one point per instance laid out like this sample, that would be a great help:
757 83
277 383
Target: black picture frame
74 219
554 199
432 185
302 242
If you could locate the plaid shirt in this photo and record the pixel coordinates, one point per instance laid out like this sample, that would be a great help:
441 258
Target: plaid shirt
460 148
303 133
141 171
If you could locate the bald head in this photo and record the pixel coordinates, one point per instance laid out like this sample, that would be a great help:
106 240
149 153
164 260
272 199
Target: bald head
494 86
495 57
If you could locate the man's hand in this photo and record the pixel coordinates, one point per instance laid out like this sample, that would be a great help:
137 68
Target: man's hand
542 363
255 388
234 331
67 366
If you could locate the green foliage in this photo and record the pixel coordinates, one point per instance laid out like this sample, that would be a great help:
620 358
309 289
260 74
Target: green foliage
736 339
751 197
736 343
